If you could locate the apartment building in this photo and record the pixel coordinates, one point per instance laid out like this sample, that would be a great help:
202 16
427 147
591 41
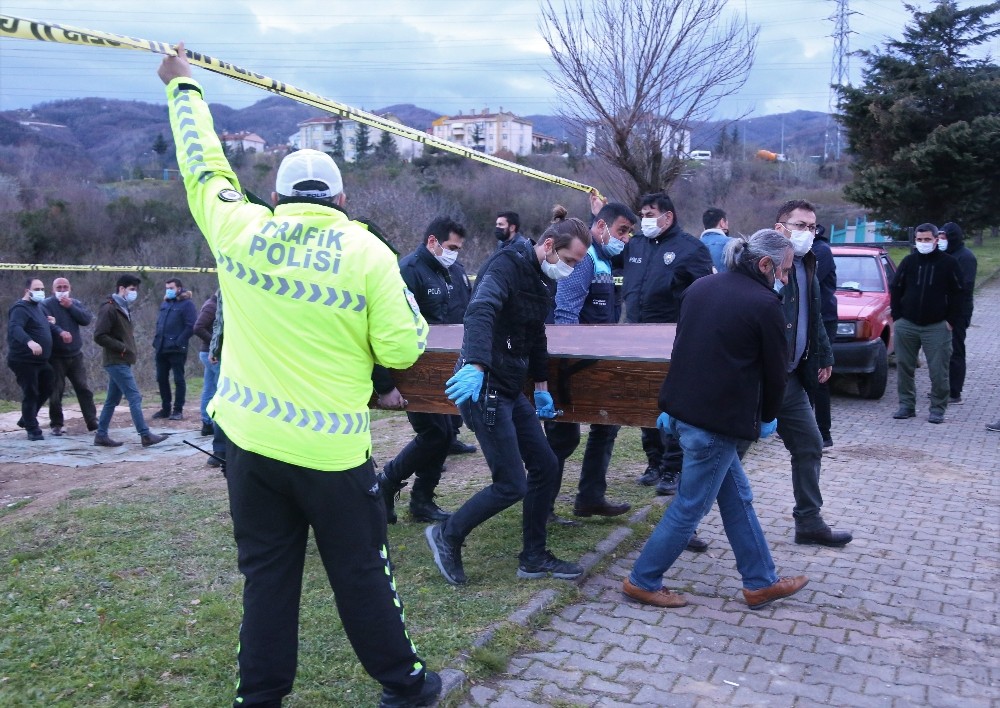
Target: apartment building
486 132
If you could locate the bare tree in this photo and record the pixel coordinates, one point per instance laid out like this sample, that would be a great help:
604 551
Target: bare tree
641 71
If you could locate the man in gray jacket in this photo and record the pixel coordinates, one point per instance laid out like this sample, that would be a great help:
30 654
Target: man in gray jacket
67 357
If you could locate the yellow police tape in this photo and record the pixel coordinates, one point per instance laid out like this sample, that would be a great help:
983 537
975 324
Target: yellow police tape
95 268
21 28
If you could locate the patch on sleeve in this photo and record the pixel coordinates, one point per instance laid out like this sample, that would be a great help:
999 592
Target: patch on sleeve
230 195
413 303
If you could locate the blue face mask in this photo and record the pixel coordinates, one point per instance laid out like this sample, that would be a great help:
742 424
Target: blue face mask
171 293
614 246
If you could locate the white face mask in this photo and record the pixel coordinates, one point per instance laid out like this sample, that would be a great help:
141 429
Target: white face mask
802 241
131 295
614 246
557 270
649 227
62 295
942 244
447 257
925 248
37 295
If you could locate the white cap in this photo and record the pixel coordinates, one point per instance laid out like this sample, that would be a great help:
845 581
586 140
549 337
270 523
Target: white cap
304 166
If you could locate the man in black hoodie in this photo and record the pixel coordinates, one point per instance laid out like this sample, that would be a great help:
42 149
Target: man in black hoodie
951 240
926 301
29 346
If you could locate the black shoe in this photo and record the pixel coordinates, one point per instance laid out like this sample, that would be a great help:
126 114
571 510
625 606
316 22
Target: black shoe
601 508
823 537
56 430
935 417
827 442
429 691
554 518
390 493
458 447
152 439
91 426
904 412
955 400
176 415
214 462
105 441
447 558
207 429
162 413
650 477
423 508
547 564
993 427
35 435
697 545
667 485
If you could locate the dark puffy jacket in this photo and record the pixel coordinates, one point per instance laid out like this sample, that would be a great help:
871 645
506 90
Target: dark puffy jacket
927 289
205 322
431 285
460 295
26 322
658 271
967 263
727 370
175 324
505 321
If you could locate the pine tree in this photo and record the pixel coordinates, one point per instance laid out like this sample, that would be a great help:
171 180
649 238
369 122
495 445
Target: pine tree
338 142
386 151
362 143
924 126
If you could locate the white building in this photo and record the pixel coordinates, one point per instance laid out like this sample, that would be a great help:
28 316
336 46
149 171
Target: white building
486 132
676 139
248 142
320 133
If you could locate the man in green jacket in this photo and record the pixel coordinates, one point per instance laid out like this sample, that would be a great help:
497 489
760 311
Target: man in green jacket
313 301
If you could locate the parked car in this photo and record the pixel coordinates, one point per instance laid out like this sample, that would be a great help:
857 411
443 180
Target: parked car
864 326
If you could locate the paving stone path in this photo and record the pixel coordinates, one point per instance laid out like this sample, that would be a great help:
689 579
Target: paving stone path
906 615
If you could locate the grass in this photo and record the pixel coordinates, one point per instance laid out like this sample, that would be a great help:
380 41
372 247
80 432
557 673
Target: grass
139 603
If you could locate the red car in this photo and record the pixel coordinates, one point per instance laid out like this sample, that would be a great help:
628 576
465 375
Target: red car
864 325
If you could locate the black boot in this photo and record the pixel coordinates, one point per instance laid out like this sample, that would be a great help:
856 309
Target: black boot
425 695
667 485
423 508
390 492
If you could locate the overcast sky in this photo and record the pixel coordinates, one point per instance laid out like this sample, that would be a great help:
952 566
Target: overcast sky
443 55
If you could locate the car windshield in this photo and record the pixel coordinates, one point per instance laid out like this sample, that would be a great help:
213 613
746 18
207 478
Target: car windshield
859 273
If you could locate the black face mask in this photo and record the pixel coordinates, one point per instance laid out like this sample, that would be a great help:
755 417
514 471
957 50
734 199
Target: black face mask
501 234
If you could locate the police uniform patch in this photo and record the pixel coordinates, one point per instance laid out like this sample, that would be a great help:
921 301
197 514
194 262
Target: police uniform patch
412 301
230 195
669 257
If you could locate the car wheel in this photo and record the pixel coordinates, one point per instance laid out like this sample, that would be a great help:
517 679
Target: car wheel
873 385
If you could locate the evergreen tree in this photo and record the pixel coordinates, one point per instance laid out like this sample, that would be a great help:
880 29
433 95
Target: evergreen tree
338 142
923 126
362 143
386 151
160 146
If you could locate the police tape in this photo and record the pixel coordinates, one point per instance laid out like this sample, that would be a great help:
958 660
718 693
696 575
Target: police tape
20 28
31 267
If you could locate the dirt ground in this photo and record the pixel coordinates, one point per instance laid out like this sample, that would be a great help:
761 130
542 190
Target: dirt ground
38 476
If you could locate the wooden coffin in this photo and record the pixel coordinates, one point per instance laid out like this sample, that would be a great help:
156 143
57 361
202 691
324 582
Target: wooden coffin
597 373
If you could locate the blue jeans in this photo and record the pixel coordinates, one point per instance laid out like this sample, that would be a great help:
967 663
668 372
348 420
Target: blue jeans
211 384
122 383
513 442
711 472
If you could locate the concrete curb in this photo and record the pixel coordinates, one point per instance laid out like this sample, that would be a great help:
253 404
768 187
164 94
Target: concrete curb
453 676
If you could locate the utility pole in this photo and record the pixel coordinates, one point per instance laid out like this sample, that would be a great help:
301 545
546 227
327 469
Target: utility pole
840 75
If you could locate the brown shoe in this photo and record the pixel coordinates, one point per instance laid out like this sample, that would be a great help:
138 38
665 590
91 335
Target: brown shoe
660 598
601 508
152 439
105 441
783 588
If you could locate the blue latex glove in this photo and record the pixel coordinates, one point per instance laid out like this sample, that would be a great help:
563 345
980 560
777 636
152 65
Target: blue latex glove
465 384
663 423
544 406
767 429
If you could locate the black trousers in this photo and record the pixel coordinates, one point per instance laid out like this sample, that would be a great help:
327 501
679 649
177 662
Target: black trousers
425 454
956 367
273 505
663 452
166 364
564 438
820 393
35 380
71 368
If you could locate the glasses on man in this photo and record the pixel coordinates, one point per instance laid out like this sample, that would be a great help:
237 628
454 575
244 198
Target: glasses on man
799 226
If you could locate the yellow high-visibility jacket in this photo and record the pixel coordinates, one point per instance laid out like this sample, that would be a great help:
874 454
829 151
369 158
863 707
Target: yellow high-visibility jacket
313 300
